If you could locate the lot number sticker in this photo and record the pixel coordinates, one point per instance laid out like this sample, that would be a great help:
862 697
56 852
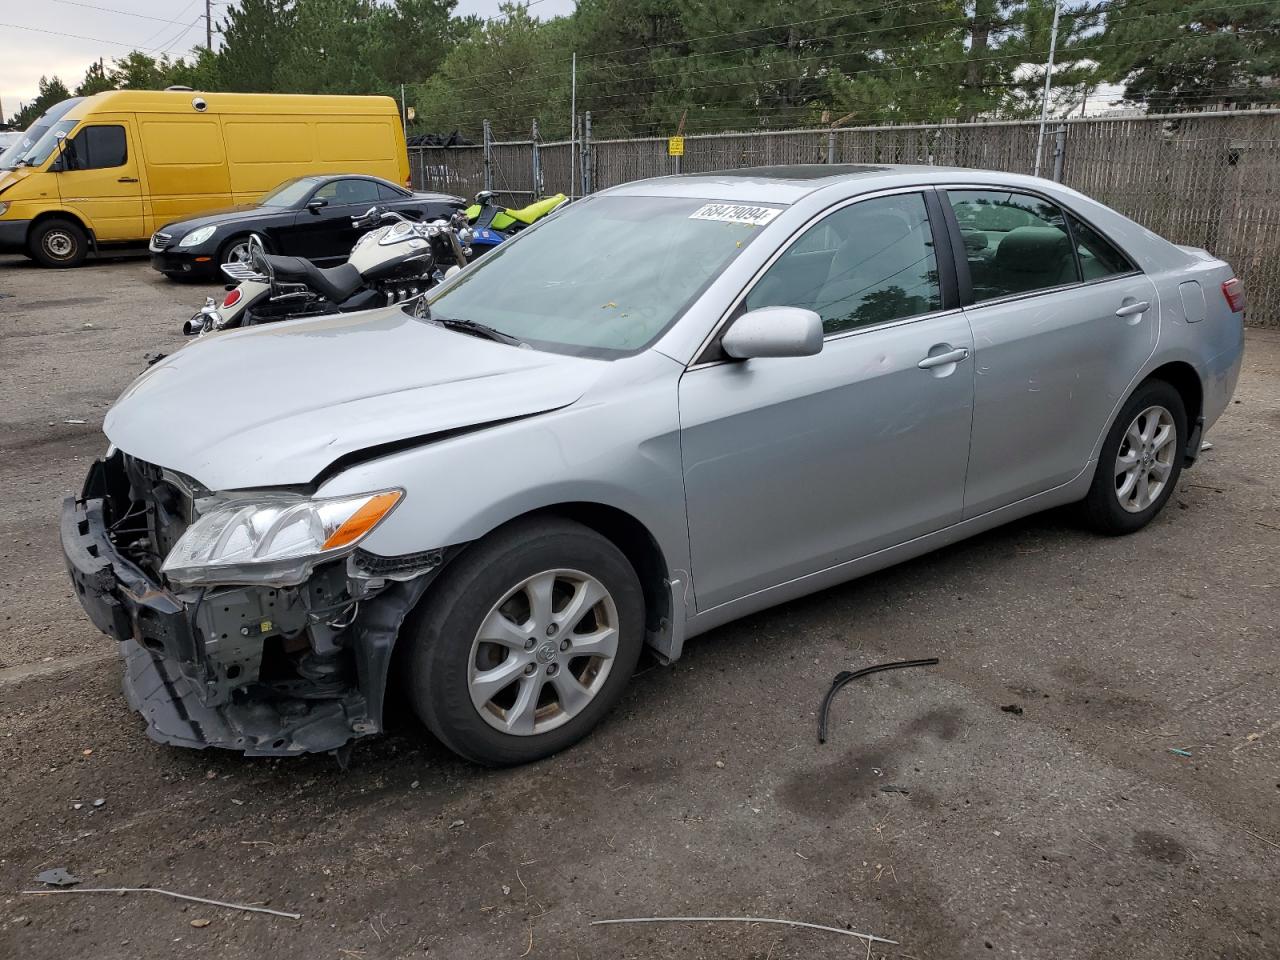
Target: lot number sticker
735 213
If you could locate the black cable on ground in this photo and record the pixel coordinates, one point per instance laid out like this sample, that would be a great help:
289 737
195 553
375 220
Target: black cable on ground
844 676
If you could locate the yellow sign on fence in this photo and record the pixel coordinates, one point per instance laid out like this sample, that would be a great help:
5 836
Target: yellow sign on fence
675 146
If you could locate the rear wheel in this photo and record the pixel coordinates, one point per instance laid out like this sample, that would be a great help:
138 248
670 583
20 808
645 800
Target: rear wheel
526 642
58 243
1140 462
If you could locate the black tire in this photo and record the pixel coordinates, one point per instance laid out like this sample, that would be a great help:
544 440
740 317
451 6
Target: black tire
1102 507
443 629
58 243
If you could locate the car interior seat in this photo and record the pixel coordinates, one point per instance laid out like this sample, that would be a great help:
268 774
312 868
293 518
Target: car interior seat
1031 258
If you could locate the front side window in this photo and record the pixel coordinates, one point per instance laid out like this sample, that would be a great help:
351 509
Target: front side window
97 148
342 192
1014 242
290 193
1099 257
604 275
867 263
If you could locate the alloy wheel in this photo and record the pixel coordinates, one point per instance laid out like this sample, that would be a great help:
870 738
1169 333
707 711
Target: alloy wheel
543 652
1145 459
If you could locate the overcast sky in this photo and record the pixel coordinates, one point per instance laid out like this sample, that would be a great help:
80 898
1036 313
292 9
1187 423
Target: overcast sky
63 36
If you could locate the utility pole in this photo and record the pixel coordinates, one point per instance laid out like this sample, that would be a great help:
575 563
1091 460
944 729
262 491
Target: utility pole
1048 79
573 120
208 25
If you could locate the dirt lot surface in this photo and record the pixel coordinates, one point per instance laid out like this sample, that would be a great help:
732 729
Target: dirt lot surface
1069 829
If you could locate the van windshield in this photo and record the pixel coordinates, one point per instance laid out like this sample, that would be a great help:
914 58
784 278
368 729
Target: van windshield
39 151
18 150
290 193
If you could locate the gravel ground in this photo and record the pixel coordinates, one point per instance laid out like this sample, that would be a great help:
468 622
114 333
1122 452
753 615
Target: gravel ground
1068 830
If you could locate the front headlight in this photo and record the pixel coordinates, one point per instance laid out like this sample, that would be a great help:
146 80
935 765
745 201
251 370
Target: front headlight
197 236
275 539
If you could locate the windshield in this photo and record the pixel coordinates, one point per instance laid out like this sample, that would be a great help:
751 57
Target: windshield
30 137
39 151
290 193
604 276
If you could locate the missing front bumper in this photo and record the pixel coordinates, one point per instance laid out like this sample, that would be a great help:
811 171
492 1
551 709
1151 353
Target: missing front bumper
193 674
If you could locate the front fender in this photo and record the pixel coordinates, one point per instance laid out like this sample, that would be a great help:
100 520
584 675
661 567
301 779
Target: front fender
618 446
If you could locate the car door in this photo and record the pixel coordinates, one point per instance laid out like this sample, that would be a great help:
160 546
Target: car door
793 465
323 230
97 175
1062 323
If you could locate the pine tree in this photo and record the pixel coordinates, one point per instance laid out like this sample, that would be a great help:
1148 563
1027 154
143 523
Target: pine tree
95 81
50 91
255 37
1195 54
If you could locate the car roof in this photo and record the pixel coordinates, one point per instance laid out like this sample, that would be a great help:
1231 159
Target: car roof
790 183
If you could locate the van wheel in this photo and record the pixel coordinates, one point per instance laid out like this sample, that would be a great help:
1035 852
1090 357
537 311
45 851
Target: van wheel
58 243
525 642
1140 462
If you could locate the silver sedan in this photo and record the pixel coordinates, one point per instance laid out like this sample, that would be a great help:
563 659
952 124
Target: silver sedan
669 405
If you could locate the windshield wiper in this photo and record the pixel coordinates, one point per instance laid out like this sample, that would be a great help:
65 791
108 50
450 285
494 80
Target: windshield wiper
478 330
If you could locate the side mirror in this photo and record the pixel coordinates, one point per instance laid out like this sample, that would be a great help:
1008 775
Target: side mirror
774 332
316 204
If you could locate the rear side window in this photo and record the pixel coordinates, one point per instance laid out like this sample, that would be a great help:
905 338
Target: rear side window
1098 256
1014 243
97 148
389 193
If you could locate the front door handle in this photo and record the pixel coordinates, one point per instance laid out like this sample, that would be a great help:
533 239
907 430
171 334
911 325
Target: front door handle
127 180
942 359
1133 309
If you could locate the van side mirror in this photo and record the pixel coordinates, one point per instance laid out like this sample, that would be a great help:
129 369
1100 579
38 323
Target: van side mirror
774 332
316 204
62 162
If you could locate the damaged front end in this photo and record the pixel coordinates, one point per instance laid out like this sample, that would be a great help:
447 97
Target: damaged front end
254 624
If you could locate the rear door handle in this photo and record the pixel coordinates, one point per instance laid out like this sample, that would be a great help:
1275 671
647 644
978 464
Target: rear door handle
942 359
1133 309
127 180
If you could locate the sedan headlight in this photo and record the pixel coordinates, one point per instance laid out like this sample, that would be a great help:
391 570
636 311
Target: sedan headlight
196 236
275 539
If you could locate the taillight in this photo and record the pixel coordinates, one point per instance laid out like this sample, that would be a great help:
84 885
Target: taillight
232 298
408 183
1233 290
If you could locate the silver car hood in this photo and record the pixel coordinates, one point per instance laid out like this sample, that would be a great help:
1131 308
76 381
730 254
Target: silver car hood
276 404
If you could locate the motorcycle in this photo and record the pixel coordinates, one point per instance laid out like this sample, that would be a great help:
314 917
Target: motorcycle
492 224
396 262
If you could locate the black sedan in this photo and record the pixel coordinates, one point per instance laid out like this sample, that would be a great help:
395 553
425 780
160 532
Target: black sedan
304 217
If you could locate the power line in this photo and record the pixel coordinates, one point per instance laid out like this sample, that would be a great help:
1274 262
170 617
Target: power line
643 76
123 13
762 81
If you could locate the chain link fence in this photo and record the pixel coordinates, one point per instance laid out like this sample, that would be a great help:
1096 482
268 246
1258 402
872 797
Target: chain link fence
1210 180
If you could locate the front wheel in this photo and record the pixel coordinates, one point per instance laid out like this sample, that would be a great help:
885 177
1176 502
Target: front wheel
58 243
235 250
1140 462
526 642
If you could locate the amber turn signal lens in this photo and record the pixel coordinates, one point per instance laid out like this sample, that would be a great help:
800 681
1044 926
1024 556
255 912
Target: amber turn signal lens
363 520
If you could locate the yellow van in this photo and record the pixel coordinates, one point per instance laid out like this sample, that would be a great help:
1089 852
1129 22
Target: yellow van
108 169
